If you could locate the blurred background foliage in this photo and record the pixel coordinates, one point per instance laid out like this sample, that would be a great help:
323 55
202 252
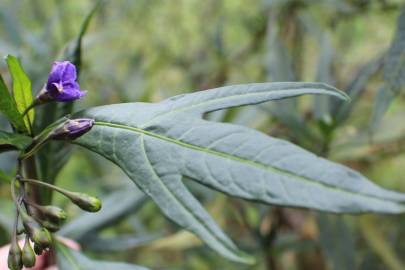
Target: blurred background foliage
148 50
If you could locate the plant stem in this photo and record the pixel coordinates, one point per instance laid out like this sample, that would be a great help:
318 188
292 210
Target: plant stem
44 184
31 172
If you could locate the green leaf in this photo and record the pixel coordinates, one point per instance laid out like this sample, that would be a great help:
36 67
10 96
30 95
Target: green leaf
21 89
394 70
9 108
341 110
324 74
13 141
72 260
158 144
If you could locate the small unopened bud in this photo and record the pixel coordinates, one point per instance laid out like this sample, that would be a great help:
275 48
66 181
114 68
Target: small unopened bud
72 129
28 255
37 233
52 212
14 257
42 237
84 201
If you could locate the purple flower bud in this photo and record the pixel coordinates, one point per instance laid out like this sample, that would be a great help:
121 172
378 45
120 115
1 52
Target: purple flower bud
61 85
72 129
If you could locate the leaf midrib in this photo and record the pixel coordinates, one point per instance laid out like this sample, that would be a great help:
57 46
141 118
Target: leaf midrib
239 159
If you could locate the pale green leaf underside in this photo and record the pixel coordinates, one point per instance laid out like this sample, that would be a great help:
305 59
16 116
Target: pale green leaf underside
72 260
159 144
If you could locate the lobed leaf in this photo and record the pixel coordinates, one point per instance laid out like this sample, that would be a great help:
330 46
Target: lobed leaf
21 89
158 144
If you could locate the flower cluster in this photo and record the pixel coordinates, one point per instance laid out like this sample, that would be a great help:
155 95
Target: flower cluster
39 221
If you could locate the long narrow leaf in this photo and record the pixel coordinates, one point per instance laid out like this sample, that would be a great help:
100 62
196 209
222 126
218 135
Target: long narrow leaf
21 89
9 108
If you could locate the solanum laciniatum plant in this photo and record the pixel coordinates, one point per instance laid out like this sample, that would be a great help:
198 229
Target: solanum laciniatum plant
174 152
158 145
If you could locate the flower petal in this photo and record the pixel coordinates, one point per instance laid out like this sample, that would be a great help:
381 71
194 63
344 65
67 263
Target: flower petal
69 71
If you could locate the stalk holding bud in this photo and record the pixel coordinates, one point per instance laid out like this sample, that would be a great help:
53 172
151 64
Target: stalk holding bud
84 201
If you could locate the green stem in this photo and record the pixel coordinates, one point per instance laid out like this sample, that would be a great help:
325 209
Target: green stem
31 172
14 235
17 200
47 185
33 104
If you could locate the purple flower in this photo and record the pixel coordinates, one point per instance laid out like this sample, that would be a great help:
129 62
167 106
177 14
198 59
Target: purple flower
72 129
61 84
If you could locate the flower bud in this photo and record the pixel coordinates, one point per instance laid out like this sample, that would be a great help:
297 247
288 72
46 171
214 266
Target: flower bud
14 257
38 234
72 129
84 201
52 212
28 255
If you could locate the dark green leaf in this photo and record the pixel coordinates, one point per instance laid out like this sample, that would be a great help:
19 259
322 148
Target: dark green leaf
394 73
13 141
72 260
9 108
324 74
158 144
21 89
341 110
